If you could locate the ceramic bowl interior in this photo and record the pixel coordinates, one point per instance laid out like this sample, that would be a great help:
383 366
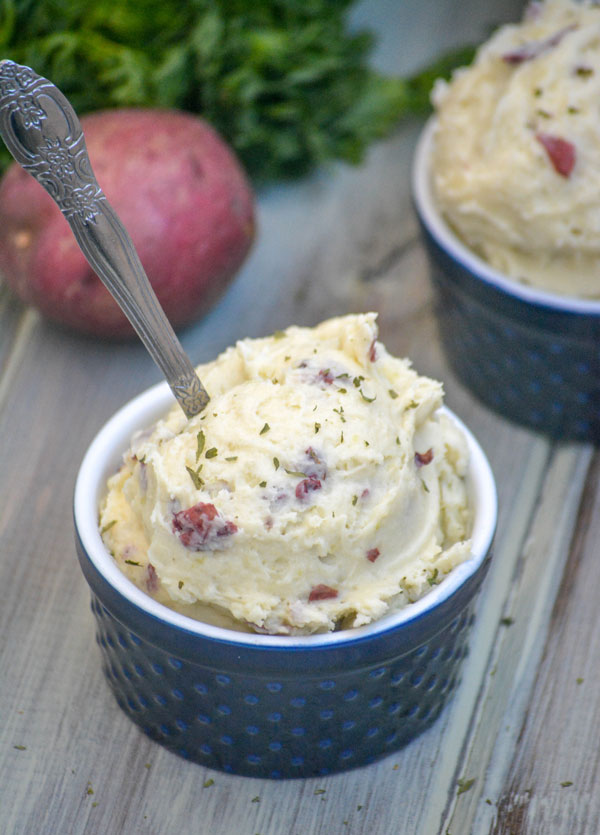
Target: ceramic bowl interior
274 706
529 354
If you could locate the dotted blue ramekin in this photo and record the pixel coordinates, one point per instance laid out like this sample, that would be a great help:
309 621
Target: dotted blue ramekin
530 355
273 706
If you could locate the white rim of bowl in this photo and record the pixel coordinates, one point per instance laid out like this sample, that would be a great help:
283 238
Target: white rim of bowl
104 456
441 231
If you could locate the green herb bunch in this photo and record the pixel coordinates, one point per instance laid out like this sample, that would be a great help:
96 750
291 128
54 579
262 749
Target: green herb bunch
285 82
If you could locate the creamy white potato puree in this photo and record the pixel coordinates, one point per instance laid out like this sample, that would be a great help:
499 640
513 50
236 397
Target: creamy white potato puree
320 488
516 163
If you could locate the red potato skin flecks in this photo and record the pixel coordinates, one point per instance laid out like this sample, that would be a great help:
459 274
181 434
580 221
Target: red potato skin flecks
423 458
372 554
179 191
306 486
152 581
561 153
532 49
200 527
322 592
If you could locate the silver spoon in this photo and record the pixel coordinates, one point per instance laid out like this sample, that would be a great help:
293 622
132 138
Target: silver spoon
42 132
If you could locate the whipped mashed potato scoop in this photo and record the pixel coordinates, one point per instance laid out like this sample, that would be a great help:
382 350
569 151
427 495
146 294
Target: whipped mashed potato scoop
321 488
516 163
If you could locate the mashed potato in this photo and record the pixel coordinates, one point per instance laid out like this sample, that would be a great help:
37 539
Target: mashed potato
320 488
516 166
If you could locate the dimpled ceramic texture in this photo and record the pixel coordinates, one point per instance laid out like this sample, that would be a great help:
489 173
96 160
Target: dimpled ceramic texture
533 357
272 714
267 705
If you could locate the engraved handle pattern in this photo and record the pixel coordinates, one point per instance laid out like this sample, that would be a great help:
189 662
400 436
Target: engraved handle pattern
43 133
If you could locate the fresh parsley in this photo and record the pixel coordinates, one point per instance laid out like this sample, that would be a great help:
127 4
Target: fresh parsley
288 85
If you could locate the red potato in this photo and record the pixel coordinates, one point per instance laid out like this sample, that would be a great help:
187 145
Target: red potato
181 194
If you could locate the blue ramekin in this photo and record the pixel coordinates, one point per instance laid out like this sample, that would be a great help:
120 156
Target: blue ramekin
273 706
530 355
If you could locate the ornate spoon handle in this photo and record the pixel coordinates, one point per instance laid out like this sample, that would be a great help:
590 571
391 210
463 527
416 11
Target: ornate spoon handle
43 133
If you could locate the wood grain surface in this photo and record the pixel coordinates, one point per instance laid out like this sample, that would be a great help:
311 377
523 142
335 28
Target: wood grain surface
524 723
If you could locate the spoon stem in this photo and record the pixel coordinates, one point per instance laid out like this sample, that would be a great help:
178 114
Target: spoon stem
42 132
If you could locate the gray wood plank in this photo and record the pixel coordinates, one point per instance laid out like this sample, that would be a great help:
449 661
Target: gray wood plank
552 782
519 631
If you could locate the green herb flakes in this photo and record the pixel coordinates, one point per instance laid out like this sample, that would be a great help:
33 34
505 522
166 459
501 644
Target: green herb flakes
262 484
464 785
20 747
180 584
425 487
265 428
208 783
566 783
365 398
579 680
320 791
256 799
393 394
507 621
354 499
211 453
195 476
108 526
231 458
317 427
433 578
357 381
279 335
132 562
295 473
276 463
200 441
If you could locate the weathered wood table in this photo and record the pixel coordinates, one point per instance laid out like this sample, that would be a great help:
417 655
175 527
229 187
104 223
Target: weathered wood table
522 731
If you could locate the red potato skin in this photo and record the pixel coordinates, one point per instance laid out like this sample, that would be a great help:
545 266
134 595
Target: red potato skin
181 194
